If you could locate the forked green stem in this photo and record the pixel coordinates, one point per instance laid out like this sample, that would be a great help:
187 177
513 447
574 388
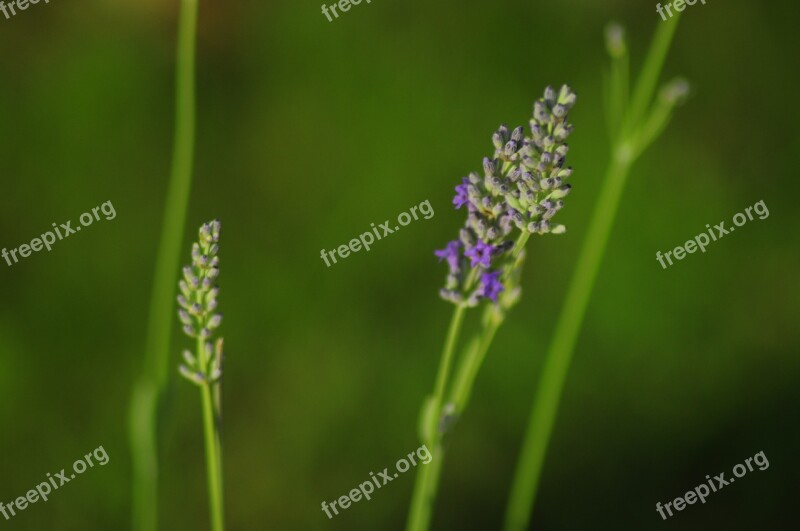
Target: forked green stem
540 425
427 480
473 357
148 391
625 148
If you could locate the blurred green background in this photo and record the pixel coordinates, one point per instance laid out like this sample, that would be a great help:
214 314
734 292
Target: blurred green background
310 130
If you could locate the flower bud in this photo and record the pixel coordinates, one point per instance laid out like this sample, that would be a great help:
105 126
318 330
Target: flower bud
214 322
510 149
560 192
184 316
497 140
192 376
184 287
489 166
550 96
190 359
566 97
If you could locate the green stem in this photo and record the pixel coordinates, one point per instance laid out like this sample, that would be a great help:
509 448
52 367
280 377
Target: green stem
427 481
213 442
427 478
519 246
425 487
651 71
540 425
475 353
556 365
473 359
149 389
213 459
444 365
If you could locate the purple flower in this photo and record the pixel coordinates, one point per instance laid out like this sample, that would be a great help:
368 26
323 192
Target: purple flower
450 253
480 254
491 286
462 195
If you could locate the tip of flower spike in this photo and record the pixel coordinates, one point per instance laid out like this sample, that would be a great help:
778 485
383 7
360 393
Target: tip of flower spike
567 97
615 40
676 91
209 232
550 96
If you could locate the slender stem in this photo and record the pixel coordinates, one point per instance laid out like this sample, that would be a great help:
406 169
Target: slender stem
213 443
445 363
556 365
520 244
425 487
473 359
426 481
213 459
477 348
540 425
149 388
651 71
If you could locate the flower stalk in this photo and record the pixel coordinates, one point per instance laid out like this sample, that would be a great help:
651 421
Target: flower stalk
197 311
147 397
632 129
521 191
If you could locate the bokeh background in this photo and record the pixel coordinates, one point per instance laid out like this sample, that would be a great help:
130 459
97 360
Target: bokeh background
310 130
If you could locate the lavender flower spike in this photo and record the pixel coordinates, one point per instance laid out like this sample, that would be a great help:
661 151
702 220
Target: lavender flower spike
522 190
197 304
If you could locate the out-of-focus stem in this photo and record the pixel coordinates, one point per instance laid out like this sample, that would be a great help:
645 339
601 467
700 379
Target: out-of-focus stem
557 360
149 388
